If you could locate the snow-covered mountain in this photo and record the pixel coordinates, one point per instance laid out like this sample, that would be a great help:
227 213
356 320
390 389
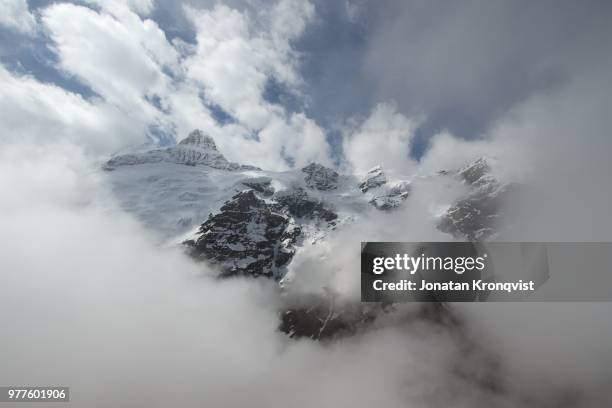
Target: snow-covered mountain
476 216
248 221
195 149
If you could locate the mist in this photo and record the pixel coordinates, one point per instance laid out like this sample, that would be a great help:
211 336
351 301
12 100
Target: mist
90 301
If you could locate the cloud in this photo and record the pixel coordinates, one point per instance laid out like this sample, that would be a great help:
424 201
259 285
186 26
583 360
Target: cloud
463 66
90 301
174 86
562 138
119 56
234 47
141 6
15 15
44 113
382 138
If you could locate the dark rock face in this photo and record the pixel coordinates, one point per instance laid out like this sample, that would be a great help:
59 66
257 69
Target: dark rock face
299 204
317 324
476 216
319 177
256 237
322 319
246 238
397 194
374 178
252 237
476 173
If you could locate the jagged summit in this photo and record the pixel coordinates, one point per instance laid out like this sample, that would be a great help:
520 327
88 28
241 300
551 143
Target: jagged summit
476 215
375 177
477 172
393 197
198 139
319 177
196 149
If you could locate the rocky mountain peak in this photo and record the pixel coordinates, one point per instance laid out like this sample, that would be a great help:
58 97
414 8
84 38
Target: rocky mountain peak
262 185
319 177
198 139
476 215
375 177
298 203
267 217
196 149
246 237
393 197
474 172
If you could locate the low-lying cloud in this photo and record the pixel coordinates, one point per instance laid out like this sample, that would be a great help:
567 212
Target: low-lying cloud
89 301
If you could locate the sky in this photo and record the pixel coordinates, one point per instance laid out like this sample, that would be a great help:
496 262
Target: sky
284 85
414 86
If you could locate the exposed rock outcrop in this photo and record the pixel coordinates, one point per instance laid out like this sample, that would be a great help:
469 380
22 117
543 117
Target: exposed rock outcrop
375 177
319 177
298 203
393 198
246 238
476 216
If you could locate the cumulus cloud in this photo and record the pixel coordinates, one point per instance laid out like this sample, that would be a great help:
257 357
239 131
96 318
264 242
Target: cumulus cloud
118 55
235 58
45 113
15 15
175 87
382 138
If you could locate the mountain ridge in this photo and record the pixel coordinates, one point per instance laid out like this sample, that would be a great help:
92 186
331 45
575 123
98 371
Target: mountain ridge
196 149
246 221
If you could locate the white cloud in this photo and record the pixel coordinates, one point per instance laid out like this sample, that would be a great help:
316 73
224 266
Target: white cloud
15 15
43 113
140 7
236 55
288 20
128 61
143 7
120 56
231 67
382 138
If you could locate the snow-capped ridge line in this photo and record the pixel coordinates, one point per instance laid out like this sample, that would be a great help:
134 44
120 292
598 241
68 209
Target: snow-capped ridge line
197 149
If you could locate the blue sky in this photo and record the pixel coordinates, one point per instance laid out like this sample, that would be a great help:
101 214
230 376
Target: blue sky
317 70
